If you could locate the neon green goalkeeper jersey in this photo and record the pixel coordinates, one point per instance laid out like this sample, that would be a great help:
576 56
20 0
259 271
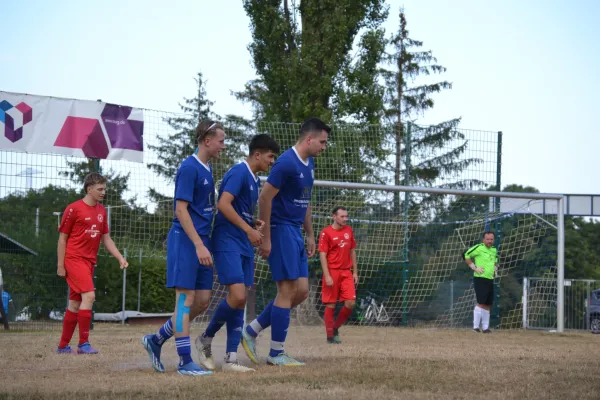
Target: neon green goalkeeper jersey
483 257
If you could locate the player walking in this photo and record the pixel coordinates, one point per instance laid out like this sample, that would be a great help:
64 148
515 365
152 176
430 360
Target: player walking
340 271
83 227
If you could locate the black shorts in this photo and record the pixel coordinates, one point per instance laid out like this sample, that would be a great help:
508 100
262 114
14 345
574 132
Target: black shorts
484 290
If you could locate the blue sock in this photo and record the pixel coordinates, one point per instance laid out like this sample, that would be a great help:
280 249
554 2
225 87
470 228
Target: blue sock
263 321
183 350
221 315
281 322
164 333
235 324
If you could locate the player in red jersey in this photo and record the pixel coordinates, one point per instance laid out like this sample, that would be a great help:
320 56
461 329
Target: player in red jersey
83 227
340 271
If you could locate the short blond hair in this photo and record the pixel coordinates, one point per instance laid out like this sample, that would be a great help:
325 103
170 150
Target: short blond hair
91 179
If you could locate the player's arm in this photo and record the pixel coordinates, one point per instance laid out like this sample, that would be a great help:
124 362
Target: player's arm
64 229
265 202
60 252
354 260
323 250
185 219
471 253
225 207
496 267
310 234
111 247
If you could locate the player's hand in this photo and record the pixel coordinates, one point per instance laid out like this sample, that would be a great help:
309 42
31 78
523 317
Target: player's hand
310 246
328 280
264 249
123 263
259 224
204 256
355 276
479 270
61 271
255 237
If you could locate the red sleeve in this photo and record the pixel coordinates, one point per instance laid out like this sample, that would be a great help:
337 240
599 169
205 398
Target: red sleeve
352 241
324 242
68 219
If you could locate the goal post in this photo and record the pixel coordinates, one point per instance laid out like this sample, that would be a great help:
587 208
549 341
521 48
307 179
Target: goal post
413 259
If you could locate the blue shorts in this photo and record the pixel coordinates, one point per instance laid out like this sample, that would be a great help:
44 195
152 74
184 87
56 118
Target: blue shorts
183 267
233 267
288 259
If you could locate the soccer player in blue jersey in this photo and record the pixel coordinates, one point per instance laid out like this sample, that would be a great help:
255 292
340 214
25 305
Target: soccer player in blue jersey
234 236
189 260
284 206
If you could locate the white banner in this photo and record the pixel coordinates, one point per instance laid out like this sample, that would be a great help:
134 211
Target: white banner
82 128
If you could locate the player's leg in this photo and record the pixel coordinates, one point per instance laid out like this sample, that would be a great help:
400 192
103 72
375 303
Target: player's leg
237 298
84 320
288 262
69 323
185 300
486 306
329 295
153 342
481 298
203 343
348 297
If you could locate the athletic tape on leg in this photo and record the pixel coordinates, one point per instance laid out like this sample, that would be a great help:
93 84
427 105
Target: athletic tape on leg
181 310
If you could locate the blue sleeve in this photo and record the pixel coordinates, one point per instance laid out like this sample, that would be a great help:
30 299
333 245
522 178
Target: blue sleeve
279 173
233 183
185 182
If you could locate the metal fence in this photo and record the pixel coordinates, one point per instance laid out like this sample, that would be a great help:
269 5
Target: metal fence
581 310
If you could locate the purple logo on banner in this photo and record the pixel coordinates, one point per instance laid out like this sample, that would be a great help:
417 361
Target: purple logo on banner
122 132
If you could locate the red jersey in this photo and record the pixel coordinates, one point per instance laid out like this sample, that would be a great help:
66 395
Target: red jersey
85 226
337 244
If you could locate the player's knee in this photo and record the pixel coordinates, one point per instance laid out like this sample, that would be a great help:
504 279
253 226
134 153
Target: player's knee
88 298
74 306
236 300
349 304
301 295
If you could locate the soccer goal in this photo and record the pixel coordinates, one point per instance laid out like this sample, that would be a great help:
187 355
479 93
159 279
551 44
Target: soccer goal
410 262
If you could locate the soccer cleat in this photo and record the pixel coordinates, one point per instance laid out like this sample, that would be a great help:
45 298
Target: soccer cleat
153 352
336 336
65 350
205 354
86 348
284 360
192 369
249 344
477 330
487 331
236 367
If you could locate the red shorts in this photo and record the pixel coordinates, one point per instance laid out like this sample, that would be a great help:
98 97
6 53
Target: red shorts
342 289
80 277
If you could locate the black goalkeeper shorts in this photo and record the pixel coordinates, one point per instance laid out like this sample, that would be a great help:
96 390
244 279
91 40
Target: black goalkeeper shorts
484 290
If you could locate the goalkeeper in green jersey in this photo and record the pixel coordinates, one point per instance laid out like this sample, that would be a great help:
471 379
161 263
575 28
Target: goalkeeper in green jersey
483 260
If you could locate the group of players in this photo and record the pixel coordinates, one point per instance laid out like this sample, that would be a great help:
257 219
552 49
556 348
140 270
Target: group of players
195 243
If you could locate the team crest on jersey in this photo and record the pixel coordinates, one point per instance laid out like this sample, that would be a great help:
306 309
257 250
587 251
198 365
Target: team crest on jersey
301 175
100 218
346 236
251 187
205 181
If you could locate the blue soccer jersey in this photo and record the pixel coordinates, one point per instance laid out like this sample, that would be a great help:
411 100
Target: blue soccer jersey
294 178
194 183
244 186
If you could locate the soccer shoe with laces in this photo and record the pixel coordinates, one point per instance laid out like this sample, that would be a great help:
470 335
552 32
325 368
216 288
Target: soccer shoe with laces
249 345
487 331
236 367
86 348
284 360
65 350
153 352
476 330
192 369
336 336
205 354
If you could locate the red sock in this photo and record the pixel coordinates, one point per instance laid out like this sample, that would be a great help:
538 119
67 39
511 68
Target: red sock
69 324
329 321
85 320
342 317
